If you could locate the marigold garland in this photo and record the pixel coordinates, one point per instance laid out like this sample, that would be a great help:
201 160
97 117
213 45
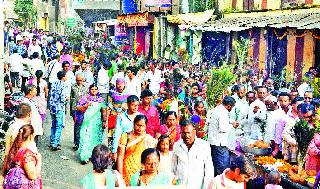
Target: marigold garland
295 34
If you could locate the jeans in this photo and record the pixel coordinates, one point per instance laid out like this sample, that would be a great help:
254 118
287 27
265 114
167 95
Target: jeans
15 79
220 158
56 127
76 130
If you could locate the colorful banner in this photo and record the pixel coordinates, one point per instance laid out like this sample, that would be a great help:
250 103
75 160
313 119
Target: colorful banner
120 30
157 3
134 19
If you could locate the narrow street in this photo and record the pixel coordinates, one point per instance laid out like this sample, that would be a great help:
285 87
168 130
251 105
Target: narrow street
58 173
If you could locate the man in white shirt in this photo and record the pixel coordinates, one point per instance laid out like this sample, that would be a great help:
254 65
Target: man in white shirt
103 81
240 113
70 77
52 69
23 117
36 63
219 127
241 170
275 122
257 112
16 67
133 83
34 47
192 162
154 78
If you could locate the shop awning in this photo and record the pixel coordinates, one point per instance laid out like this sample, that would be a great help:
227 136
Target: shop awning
191 18
299 19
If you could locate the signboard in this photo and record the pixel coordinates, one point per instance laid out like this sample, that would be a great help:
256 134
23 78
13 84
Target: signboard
134 19
71 22
157 3
120 30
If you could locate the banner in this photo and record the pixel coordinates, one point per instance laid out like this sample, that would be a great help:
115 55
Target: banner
120 30
134 19
157 3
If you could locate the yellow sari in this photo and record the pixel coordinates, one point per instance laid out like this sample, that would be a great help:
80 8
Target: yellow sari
132 156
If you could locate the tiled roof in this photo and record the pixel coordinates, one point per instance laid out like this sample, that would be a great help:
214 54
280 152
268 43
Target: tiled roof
307 19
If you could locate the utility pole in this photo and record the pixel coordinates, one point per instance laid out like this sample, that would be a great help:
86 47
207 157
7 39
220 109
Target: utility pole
2 91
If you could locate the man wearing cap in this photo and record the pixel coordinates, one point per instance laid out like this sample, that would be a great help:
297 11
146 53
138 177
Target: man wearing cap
34 47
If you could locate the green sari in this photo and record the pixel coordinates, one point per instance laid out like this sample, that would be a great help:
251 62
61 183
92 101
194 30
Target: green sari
160 179
91 132
88 182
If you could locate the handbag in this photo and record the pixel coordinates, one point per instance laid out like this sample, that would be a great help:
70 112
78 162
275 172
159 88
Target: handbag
16 177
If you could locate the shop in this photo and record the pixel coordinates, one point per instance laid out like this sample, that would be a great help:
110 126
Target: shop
139 30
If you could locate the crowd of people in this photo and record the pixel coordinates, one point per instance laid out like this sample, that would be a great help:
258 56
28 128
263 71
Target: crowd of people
143 121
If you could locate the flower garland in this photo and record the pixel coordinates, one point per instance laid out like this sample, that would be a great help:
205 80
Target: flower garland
295 34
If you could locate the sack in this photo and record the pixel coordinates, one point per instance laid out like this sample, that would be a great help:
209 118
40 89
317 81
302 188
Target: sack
16 178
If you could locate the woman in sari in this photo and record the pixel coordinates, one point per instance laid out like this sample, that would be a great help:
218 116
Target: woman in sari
171 128
24 154
150 175
93 108
131 146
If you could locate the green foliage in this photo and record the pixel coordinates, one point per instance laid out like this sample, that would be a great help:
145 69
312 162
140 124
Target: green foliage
221 79
304 134
199 5
242 48
211 4
26 11
315 84
230 10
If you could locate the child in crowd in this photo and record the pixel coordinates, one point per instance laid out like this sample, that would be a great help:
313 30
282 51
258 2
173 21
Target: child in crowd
274 180
165 154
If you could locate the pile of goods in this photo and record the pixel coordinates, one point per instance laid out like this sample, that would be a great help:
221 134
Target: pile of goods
303 177
272 164
282 166
259 144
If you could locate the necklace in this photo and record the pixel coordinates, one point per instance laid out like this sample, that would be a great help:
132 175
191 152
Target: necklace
146 180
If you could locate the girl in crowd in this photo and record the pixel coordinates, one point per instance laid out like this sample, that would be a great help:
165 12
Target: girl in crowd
102 177
23 153
171 128
150 175
42 94
131 146
94 120
165 154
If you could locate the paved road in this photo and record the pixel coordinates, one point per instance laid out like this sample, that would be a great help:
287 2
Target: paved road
56 172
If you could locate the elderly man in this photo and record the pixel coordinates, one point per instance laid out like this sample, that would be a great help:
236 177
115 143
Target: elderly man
78 90
36 120
192 162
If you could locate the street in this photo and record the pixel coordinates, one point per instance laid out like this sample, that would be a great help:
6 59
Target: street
56 172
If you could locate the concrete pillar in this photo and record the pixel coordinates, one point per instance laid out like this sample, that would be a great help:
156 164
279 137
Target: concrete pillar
2 91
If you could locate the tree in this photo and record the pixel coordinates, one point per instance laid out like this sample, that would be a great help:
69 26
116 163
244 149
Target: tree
26 11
